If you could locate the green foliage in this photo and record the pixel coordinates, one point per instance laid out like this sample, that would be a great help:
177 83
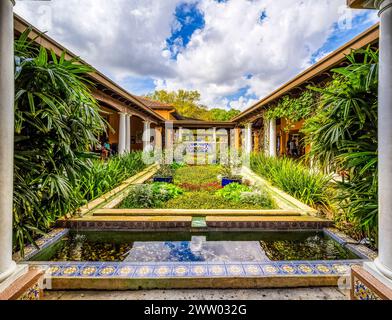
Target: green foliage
150 195
177 165
197 174
56 121
140 196
102 177
294 178
208 200
294 109
166 191
233 191
187 104
245 195
259 199
165 171
343 135
222 115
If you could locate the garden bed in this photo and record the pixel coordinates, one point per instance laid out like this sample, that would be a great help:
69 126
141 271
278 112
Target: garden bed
197 187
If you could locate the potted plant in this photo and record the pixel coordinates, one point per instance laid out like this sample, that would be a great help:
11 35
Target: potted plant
164 174
228 176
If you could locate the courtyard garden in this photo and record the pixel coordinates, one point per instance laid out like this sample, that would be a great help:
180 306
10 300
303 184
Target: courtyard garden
197 187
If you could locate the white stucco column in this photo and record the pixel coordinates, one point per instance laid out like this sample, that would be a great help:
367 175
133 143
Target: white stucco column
248 138
272 138
180 133
214 146
384 261
7 265
122 131
146 135
128 133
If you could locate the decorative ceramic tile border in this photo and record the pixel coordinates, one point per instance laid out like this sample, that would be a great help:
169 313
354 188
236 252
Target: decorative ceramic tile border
32 293
352 245
44 242
157 270
362 292
365 286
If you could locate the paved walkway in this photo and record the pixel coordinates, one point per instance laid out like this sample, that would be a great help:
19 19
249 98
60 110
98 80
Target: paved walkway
327 293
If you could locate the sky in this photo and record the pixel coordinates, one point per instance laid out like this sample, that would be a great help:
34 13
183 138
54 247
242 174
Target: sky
234 52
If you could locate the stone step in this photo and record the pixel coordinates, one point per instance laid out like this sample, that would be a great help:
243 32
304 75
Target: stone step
199 222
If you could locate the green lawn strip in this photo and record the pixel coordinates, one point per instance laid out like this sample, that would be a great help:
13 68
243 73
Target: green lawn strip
206 200
197 174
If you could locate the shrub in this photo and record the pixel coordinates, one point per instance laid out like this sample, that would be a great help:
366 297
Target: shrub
165 191
150 195
165 171
233 191
258 198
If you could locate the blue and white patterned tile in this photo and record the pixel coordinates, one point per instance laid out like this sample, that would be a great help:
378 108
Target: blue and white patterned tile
89 270
253 269
125 270
322 268
108 270
199 270
55 270
44 242
305 269
70 270
144 271
288 268
164 270
181 270
235 270
271 269
217 270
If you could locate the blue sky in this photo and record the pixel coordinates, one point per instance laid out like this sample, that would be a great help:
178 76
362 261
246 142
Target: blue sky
234 51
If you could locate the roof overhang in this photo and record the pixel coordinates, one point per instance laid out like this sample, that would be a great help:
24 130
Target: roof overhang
364 4
199 124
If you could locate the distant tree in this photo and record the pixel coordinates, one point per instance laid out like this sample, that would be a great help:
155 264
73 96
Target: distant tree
188 105
223 115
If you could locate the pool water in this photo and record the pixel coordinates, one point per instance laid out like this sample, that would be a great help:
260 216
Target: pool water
188 247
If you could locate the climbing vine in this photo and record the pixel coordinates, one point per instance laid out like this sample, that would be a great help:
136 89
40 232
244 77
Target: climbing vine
294 109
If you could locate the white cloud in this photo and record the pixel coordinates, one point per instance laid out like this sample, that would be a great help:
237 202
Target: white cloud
127 39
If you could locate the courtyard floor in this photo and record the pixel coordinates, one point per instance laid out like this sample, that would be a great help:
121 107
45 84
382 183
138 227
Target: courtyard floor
318 293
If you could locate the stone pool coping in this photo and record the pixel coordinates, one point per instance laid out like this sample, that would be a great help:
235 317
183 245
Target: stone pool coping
134 275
